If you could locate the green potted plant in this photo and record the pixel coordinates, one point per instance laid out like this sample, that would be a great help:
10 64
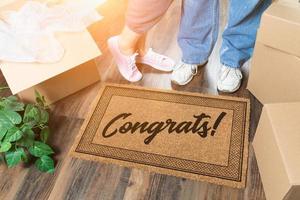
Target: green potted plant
24 132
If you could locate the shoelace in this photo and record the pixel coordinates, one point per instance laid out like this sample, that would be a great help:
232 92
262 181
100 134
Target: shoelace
157 57
227 70
193 68
132 63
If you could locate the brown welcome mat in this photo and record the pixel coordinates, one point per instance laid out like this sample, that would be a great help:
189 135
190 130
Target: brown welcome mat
182 134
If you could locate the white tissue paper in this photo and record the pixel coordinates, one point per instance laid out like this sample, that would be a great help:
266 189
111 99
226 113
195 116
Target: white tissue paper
28 35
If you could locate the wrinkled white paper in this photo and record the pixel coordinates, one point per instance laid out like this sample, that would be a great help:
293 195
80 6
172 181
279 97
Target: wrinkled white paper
28 35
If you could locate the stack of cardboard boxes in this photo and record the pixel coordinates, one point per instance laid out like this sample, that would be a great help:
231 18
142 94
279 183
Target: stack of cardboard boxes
275 81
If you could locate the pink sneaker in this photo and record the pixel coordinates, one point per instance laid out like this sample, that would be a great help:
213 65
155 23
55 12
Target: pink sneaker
126 64
157 61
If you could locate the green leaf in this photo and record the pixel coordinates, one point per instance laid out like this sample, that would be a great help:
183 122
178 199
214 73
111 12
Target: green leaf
31 115
14 157
13 134
35 115
5 146
3 132
24 156
44 116
11 103
40 99
9 118
1 158
44 135
45 164
40 149
28 137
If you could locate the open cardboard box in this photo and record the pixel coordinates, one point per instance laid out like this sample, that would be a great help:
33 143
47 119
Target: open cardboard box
75 71
275 69
277 150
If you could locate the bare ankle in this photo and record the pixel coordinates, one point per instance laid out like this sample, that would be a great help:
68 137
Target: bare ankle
126 49
142 52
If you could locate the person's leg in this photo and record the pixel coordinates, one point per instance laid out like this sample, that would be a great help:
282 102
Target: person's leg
240 33
141 45
128 41
198 30
239 40
142 21
141 16
197 37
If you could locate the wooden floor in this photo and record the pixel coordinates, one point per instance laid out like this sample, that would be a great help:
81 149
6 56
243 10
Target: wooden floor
79 179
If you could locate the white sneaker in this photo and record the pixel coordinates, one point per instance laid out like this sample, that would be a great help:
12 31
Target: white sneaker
229 79
126 64
183 73
157 61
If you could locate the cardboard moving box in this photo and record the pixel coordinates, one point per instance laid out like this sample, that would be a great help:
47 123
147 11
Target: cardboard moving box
74 72
274 75
277 150
275 70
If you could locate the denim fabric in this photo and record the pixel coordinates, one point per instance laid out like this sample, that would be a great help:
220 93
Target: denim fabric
240 33
199 30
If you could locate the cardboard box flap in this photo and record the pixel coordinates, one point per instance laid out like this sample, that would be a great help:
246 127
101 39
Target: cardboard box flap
280 27
285 120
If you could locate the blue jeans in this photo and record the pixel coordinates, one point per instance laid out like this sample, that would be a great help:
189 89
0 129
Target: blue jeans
199 30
